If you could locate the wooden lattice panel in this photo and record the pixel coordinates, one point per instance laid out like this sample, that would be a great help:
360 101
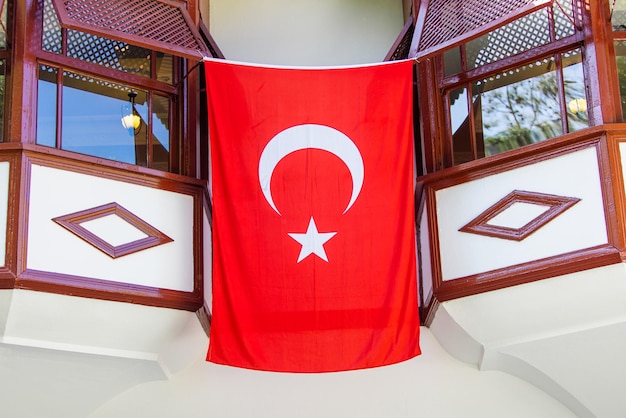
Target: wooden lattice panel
564 17
518 36
52 40
521 35
450 22
154 24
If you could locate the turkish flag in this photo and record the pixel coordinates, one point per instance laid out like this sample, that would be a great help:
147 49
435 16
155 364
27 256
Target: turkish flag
314 265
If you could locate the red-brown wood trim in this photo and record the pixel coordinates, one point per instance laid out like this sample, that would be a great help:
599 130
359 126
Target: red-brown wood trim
86 287
531 271
602 85
13 224
213 47
7 279
613 193
433 236
508 63
190 129
405 29
8 271
204 317
420 8
100 167
97 71
21 113
21 233
198 245
429 312
446 136
208 205
430 122
419 202
519 157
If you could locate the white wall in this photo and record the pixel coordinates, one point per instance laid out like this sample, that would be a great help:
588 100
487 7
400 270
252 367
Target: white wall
431 385
305 32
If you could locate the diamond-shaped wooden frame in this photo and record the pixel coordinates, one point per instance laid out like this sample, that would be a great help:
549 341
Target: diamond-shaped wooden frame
556 204
72 222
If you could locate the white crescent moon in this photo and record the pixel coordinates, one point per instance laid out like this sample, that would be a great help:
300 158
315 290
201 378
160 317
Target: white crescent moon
301 137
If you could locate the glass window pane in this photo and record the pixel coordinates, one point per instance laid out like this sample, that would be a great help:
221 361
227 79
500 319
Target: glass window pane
160 132
574 84
459 119
92 120
452 61
518 36
108 53
165 67
3 25
47 106
51 34
518 107
620 58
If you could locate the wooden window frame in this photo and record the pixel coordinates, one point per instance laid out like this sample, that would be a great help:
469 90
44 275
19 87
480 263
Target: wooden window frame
434 86
175 91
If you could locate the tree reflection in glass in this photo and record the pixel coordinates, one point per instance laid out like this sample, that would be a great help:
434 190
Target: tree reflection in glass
620 57
517 108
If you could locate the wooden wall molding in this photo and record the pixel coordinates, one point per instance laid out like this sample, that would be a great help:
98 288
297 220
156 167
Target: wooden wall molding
8 272
204 316
429 311
556 205
88 287
99 167
72 222
519 157
526 273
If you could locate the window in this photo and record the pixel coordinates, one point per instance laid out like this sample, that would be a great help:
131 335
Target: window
518 84
88 84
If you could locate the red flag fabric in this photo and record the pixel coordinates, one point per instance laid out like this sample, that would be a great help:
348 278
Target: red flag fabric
314 265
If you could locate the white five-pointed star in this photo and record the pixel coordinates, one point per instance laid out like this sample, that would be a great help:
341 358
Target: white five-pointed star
312 242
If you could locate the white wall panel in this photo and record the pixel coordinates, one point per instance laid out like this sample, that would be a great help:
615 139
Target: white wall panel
581 226
52 248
